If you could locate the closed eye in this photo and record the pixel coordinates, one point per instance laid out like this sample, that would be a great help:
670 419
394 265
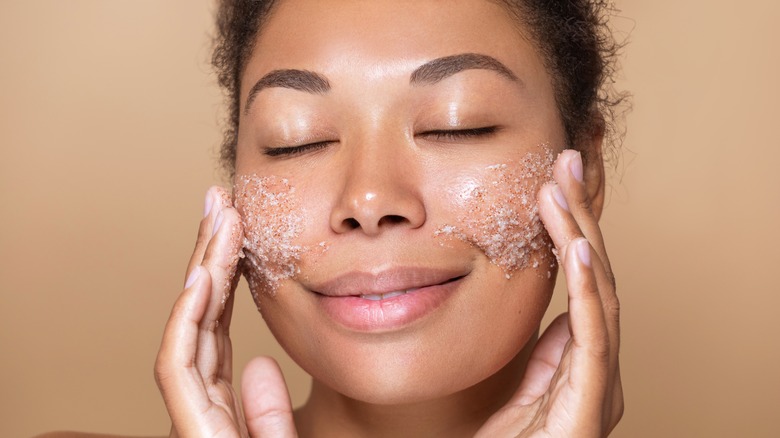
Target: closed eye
288 151
437 134
459 134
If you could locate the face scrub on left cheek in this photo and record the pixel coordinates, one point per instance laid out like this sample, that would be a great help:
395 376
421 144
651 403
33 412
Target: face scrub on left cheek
500 214
272 222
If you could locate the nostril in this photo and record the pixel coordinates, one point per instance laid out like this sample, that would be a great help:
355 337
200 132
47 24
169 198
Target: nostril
393 219
352 223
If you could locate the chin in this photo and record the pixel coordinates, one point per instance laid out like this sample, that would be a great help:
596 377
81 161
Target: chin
412 374
402 384
400 370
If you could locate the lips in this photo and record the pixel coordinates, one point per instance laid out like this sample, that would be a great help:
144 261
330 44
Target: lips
386 300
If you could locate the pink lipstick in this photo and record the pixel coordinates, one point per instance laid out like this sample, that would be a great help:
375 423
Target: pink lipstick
386 300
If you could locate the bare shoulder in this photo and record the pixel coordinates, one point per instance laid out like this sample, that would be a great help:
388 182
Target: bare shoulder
68 434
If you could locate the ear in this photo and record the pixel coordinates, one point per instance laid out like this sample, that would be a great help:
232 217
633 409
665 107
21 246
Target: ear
593 163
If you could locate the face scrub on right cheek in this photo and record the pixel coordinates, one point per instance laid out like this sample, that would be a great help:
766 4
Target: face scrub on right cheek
272 222
500 214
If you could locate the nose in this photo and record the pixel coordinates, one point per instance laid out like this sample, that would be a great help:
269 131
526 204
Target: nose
380 192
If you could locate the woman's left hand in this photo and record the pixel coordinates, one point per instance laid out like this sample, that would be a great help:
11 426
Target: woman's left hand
571 385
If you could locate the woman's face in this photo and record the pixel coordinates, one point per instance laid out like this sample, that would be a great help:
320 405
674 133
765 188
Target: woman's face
388 159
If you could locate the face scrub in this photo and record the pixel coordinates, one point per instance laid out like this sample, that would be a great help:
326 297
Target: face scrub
272 221
500 214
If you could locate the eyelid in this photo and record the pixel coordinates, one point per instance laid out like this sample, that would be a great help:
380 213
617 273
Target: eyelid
288 151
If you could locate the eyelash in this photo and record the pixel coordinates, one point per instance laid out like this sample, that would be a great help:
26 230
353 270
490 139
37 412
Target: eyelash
460 134
439 134
296 150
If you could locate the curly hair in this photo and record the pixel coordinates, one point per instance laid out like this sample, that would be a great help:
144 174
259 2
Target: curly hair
573 36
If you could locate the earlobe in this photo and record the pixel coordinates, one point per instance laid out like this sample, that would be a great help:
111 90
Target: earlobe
595 175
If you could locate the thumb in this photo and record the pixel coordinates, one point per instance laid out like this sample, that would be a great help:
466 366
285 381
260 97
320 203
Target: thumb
266 401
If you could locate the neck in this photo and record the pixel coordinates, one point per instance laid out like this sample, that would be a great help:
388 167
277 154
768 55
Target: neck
330 414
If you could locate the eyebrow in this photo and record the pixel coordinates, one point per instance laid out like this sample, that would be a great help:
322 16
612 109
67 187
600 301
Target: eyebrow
301 80
441 68
430 73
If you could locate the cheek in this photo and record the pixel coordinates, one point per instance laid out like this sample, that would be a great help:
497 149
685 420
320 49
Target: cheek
497 212
273 222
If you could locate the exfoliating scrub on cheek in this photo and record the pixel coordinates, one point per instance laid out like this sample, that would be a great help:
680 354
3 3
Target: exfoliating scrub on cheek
499 214
272 221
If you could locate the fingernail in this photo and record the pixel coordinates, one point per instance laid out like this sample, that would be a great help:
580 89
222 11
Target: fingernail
559 198
583 252
192 277
217 223
209 204
575 166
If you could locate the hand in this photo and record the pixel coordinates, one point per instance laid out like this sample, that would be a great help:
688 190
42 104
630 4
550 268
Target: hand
194 368
571 385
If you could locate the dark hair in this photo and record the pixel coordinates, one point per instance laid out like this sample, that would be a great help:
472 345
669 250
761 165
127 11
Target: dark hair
572 35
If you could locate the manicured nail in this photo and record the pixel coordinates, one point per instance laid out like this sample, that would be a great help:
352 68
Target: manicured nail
192 277
217 223
209 204
583 252
575 166
559 198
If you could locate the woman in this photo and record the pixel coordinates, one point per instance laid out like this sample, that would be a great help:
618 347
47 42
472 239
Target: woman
396 206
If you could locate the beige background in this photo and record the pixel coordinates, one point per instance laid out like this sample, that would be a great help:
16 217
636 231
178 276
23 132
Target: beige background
108 133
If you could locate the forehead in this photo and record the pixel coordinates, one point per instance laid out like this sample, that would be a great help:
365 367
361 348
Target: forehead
379 39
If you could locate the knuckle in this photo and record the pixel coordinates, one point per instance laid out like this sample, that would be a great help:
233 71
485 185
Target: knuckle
612 280
203 234
584 203
600 349
612 307
178 310
166 375
162 373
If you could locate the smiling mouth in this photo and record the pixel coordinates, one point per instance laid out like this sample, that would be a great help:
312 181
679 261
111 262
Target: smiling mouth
387 300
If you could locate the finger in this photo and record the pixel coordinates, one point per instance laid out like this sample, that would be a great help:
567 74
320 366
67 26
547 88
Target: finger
564 229
223 253
544 361
568 173
590 350
179 381
565 209
220 259
266 401
569 195
225 345
216 198
613 404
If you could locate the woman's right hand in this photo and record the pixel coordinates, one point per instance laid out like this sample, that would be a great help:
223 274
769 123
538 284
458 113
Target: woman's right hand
194 368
